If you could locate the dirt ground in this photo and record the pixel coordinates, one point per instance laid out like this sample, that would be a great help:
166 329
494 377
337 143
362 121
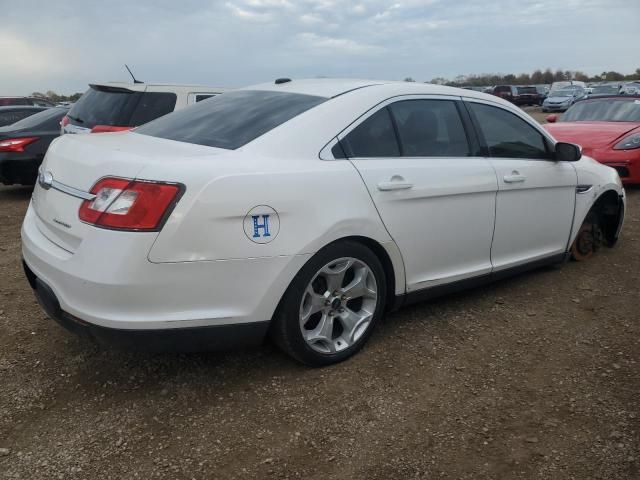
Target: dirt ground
536 377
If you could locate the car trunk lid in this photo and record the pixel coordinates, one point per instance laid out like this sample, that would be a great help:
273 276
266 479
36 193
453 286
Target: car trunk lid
74 164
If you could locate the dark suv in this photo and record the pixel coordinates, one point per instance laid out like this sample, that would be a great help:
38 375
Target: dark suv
518 95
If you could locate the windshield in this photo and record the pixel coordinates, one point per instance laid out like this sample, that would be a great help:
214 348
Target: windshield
232 119
604 110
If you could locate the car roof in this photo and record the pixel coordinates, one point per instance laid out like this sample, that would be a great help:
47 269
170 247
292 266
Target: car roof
141 87
330 88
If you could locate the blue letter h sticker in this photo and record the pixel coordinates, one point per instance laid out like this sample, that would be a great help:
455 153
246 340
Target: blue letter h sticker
257 226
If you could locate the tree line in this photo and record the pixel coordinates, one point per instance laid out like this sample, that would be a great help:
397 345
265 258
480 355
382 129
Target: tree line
54 97
537 77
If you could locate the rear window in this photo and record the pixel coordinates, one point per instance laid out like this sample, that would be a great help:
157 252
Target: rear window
527 90
120 107
12 116
48 119
231 120
502 89
8 102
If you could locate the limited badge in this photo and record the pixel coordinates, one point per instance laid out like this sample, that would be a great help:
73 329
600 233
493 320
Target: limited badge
261 224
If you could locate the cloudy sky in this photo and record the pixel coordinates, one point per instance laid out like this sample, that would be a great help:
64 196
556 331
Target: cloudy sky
63 45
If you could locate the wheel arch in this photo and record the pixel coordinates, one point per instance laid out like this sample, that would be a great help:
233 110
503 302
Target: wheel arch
389 256
609 206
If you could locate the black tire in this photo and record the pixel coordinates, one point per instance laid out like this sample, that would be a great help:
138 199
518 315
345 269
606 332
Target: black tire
285 328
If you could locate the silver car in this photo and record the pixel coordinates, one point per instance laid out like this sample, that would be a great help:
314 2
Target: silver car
560 100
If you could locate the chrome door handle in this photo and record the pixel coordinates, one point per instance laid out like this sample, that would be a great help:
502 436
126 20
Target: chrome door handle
514 178
394 185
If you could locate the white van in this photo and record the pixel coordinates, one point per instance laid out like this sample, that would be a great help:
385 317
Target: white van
110 107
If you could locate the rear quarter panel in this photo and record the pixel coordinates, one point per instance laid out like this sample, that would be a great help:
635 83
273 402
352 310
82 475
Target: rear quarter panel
316 203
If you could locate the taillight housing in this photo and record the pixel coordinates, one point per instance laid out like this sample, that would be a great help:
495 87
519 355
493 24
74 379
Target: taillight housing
134 205
16 144
108 128
65 121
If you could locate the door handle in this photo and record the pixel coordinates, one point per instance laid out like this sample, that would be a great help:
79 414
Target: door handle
515 177
394 185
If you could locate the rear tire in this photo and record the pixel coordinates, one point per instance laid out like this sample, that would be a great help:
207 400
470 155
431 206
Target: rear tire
332 305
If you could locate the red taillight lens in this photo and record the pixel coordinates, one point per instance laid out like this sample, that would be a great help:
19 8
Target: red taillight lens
108 128
16 144
124 204
65 121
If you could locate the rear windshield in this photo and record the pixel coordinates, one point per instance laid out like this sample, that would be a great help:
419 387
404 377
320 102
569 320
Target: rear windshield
120 107
8 102
605 110
48 119
527 90
232 119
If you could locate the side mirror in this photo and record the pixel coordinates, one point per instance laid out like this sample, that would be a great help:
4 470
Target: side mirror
567 152
552 118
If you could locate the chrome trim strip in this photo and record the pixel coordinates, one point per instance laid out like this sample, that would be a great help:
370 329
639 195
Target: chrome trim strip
583 188
74 192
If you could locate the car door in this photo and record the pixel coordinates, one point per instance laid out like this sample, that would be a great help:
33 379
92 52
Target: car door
434 195
536 195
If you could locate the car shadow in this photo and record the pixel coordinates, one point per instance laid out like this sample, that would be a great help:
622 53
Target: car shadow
18 192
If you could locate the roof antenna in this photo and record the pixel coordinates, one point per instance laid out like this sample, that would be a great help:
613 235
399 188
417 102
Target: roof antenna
134 78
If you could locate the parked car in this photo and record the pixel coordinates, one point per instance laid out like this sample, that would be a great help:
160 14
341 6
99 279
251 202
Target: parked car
305 209
9 115
561 100
567 83
631 88
24 143
110 107
543 91
15 101
608 129
605 90
518 95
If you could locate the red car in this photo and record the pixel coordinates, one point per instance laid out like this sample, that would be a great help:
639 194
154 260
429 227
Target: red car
608 128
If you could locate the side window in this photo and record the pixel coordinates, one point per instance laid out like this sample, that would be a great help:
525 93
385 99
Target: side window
153 105
430 128
203 96
506 135
375 137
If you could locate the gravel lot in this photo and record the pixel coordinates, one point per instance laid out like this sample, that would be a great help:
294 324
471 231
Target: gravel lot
534 377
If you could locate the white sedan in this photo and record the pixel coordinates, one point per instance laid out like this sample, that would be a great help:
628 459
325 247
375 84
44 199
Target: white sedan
303 209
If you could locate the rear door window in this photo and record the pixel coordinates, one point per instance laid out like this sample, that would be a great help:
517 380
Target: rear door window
232 119
203 96
430 128
507 135
374 137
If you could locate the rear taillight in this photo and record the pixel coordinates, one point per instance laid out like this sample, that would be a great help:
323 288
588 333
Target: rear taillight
124 204
16 144
65 121
108 128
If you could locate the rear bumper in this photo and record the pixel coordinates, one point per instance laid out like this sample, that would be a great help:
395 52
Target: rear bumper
218 337
108 282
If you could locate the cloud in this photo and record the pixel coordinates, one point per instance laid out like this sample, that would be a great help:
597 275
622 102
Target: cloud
66 45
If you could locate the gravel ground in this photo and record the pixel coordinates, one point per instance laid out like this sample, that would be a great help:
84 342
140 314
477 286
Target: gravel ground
534 377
